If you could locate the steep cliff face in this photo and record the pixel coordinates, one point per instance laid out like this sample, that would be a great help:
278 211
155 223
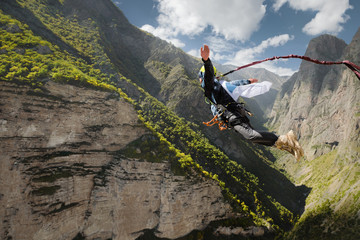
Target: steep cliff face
169 74
319 101
95 46
63 173
322 104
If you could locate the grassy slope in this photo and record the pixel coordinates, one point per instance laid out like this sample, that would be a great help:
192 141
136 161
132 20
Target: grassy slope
333 204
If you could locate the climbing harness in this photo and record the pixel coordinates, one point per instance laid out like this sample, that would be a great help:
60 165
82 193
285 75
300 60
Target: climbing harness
352 66
223 122
216 120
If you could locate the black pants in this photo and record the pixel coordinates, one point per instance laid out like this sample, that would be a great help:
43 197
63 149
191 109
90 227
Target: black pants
241 124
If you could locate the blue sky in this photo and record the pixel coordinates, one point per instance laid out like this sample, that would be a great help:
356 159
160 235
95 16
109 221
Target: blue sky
241 31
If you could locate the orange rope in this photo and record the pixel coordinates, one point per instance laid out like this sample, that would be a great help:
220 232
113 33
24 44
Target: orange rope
215 120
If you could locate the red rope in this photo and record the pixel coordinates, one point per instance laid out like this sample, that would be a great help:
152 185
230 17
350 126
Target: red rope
353 67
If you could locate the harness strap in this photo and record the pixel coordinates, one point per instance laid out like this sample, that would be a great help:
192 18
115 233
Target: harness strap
242 106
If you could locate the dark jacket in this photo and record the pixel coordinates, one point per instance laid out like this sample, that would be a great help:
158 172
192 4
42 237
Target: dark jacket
215 92
213 89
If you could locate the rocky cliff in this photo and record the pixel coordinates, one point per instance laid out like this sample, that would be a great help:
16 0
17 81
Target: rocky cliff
81 154
86 164
169 74
321 100
63 173
322 104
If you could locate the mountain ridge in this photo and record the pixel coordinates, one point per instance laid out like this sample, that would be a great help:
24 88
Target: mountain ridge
322 105
61 153
168 74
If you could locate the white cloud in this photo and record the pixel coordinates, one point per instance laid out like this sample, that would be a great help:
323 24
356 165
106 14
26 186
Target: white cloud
272 67
194 52
148 28
248 55
221 49
328 19
278 4
162 33
219 44
233 19
177 43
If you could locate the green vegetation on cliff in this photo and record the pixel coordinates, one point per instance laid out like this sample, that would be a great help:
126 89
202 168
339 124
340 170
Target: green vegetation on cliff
31 59
334 203
47 40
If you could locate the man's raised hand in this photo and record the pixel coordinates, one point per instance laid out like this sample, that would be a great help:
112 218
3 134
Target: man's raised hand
205 52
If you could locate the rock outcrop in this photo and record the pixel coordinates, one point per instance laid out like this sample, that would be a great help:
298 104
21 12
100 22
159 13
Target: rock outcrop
322 104
319 101
62 176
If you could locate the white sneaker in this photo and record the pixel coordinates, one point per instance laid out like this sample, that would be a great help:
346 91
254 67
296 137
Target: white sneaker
290 144
299 152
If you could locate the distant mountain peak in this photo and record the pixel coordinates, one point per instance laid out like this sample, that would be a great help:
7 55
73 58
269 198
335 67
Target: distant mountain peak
325 47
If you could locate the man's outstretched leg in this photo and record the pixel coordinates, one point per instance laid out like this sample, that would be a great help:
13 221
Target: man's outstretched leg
287 142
